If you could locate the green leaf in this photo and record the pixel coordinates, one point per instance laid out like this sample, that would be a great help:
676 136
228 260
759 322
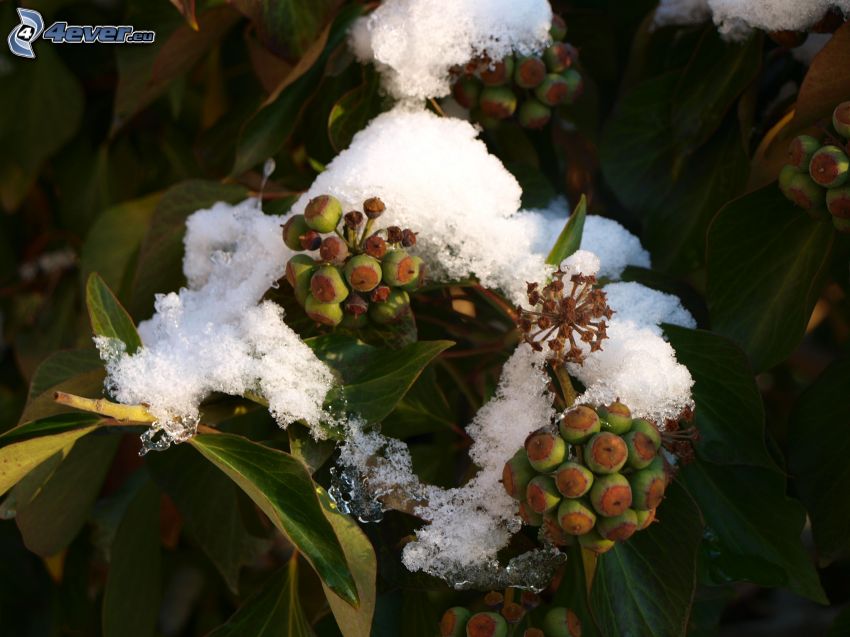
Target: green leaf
283 489
60 423
570 238
766 262
729 414
313 453
424 409
76 371
290 26
353 110
645 587
132 595
818 449
274 610
108 317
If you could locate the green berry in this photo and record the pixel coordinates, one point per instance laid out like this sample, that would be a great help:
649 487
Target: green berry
644 518
648 428
395 308
575 85
553 90
594 542
641 449
499 73
573 480
620 527
333 250
354 321
829 166
416 282
533 115
375 246
545 450
558 30
838 202
842 225
553 531
561 622
363 273
611 495
399 268
542 494
299 270
577 424
466 91
327 285
487 122
529 72
487 625
558 57
841 119
529 517
786 176
575 517
498 102
310 240
616 418
324 313
648 485
294 227
516 475
804 192
323 213
453 623
800 152
605 453
356 305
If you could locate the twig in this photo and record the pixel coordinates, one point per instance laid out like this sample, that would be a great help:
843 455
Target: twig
121 413
437 107
566 384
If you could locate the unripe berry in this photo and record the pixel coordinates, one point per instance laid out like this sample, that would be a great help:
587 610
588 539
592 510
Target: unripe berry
842 225
545 450
561 622
416 282
575 85
575 517
353 219
616 418
408 238
800 152
530 71
512 612
399 268
641 449
838 202
363 273
374 207
786 175
542 494
644 518
493 599
611 495
396 307
577 424
466 91
375 246
299 270
380 294
533 115
804 192
324 313
573 480
553 90
323 213
552 530
516 475
354 321
841 119
356 305
620 527
533 632
486 625
648 485
558 30
394 234
594 542
310 240
648 428
498 73
498 102
294 227
453 623
333 250
558 57
529 517
829 166
605 453
327 285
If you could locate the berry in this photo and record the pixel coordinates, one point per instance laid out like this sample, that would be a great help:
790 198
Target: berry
375 246
529 599
558 57
553 90
648 428
353 219
575 517
644 518
786 175
399 268
578 424
324 313
561 622
829 166
842 225
310 240
516 475
408 238
380 294
333 250
533 632
605 453
453 623
648 485
804 192
529 517
363 273
299 270
466 91
323 213
327 285
513 612
618 528
611 495
416 282
529 72
573 480
841 119
356 305
545 450
532 114
498 73
394 234
558 30
641 449
800 152
494 599
616 418
294 227
374 207
575 85
594 542
542 494
354 321
486 625
498 102
396 307
838 202
552 530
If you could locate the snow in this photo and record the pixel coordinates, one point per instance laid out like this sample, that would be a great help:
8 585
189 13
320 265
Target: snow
645 307
415 43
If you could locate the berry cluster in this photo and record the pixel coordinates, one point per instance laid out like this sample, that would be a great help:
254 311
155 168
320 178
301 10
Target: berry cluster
528 86
360 274
816 174
600 479
461 622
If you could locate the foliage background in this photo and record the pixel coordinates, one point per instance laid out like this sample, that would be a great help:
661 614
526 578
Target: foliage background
106 150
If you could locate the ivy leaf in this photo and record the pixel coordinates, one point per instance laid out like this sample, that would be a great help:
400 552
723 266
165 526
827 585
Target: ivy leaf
77 371
570 238
826 81
283 489
108 317
288 27
353 110
766 262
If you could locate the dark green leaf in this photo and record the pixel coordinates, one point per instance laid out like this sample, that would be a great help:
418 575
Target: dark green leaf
108 317
76 371
570 238
645 587
283 489
573 589
313 453
424 409
818 452
766 261
60 423
352 111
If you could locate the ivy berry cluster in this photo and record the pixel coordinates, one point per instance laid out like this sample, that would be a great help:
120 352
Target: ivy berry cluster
361 274
504 615
816 175
527 86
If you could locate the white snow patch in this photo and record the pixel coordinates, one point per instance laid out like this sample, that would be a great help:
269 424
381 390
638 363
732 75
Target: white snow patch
645 307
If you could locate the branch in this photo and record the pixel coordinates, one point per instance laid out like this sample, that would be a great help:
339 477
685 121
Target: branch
121 413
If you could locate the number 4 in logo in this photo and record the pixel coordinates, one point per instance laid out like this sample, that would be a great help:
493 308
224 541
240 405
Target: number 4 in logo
25 33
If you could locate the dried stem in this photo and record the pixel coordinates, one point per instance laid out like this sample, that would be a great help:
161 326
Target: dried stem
567 389
121 413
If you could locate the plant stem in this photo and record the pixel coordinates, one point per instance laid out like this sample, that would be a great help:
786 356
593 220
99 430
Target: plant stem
566 384
121 413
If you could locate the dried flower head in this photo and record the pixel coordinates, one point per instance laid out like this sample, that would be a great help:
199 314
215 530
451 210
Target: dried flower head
680 434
